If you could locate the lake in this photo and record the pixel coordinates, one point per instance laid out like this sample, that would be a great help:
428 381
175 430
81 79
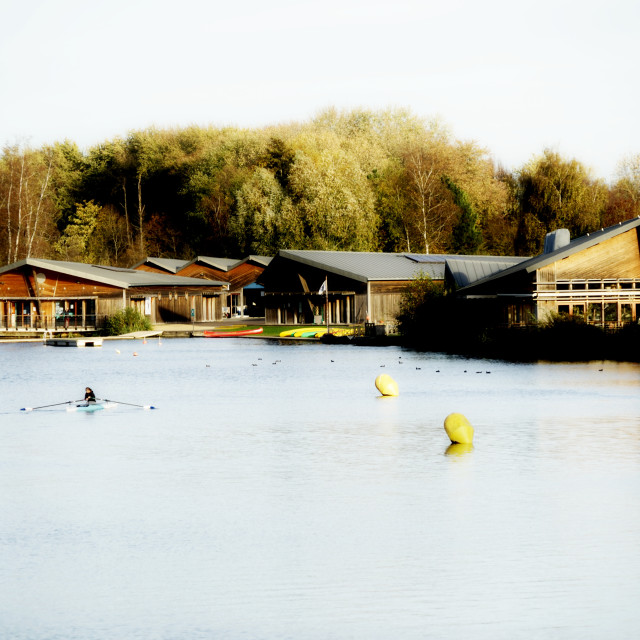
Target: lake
273 493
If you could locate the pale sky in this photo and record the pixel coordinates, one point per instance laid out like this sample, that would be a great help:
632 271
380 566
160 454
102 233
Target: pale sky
516 76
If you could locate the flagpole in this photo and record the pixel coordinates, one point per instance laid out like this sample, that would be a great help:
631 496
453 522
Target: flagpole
326 306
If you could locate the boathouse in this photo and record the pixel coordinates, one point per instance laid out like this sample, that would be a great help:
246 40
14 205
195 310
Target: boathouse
243 297
39 295
360 287
595 277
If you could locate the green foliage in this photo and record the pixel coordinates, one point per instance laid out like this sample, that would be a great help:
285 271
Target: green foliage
359 180
465 237
423 306
554 193
264 221
73 245
126 320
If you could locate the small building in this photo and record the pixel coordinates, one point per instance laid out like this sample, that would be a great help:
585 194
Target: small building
37 294
595 277
360 287
244 295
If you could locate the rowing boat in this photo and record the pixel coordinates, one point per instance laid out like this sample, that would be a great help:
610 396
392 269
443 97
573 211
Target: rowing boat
90 407
232 333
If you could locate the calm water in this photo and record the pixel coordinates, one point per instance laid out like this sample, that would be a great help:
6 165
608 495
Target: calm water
275 494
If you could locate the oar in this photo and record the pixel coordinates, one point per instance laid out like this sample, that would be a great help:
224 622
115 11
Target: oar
57 404
142 406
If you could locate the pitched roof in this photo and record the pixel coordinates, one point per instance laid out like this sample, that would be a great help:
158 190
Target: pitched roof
171 265
467 269
579 244
227 264
366 266
114 276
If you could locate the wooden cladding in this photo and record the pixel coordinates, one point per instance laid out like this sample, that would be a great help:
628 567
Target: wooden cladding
618 257
387 286
23 284
238 278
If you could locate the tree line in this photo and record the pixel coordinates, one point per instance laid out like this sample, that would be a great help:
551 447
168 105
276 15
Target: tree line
356 180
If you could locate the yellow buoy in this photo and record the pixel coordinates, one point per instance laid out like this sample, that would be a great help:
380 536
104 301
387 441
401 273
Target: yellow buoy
458 428
386 385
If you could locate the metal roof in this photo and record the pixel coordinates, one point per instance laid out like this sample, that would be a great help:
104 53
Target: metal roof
168 264
367 266
579 244
227 264
114 276
467 269
222 264
403 266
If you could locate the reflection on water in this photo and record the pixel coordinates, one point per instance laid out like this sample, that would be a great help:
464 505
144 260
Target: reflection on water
459 449
275 494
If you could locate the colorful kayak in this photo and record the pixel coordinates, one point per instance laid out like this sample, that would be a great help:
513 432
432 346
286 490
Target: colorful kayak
232 333
305 332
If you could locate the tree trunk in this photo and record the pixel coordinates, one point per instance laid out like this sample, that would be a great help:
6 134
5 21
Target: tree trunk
38 210
140 216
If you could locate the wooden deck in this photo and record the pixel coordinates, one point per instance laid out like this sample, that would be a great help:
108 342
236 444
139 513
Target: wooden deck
73 342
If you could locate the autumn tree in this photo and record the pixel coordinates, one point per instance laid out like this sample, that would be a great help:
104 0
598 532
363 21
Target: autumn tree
332 196
556 193
27 210
264 221
431 212
624 194
108 243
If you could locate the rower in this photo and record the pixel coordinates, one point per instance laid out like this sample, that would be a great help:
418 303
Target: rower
89 396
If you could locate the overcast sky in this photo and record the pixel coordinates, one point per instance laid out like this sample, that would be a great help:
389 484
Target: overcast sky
516 76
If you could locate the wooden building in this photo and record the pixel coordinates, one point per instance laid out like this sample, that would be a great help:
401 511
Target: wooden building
52 295
361 287
595 277
244 296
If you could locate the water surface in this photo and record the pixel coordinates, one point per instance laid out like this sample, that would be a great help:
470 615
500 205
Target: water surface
274 494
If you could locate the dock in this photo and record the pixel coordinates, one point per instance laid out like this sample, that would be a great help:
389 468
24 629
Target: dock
73 342
136 335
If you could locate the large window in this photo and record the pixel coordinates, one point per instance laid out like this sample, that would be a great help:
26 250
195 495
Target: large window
595 312
611 312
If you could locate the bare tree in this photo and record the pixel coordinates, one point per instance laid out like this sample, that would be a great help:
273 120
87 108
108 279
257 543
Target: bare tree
431 212
25 191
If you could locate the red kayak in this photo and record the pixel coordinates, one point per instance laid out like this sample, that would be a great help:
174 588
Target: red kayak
232 333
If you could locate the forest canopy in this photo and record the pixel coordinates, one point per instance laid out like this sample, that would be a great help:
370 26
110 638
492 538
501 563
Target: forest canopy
354 180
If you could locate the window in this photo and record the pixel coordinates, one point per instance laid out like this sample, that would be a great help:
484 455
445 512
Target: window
563 308
625 313
595 312
578 310
611 312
